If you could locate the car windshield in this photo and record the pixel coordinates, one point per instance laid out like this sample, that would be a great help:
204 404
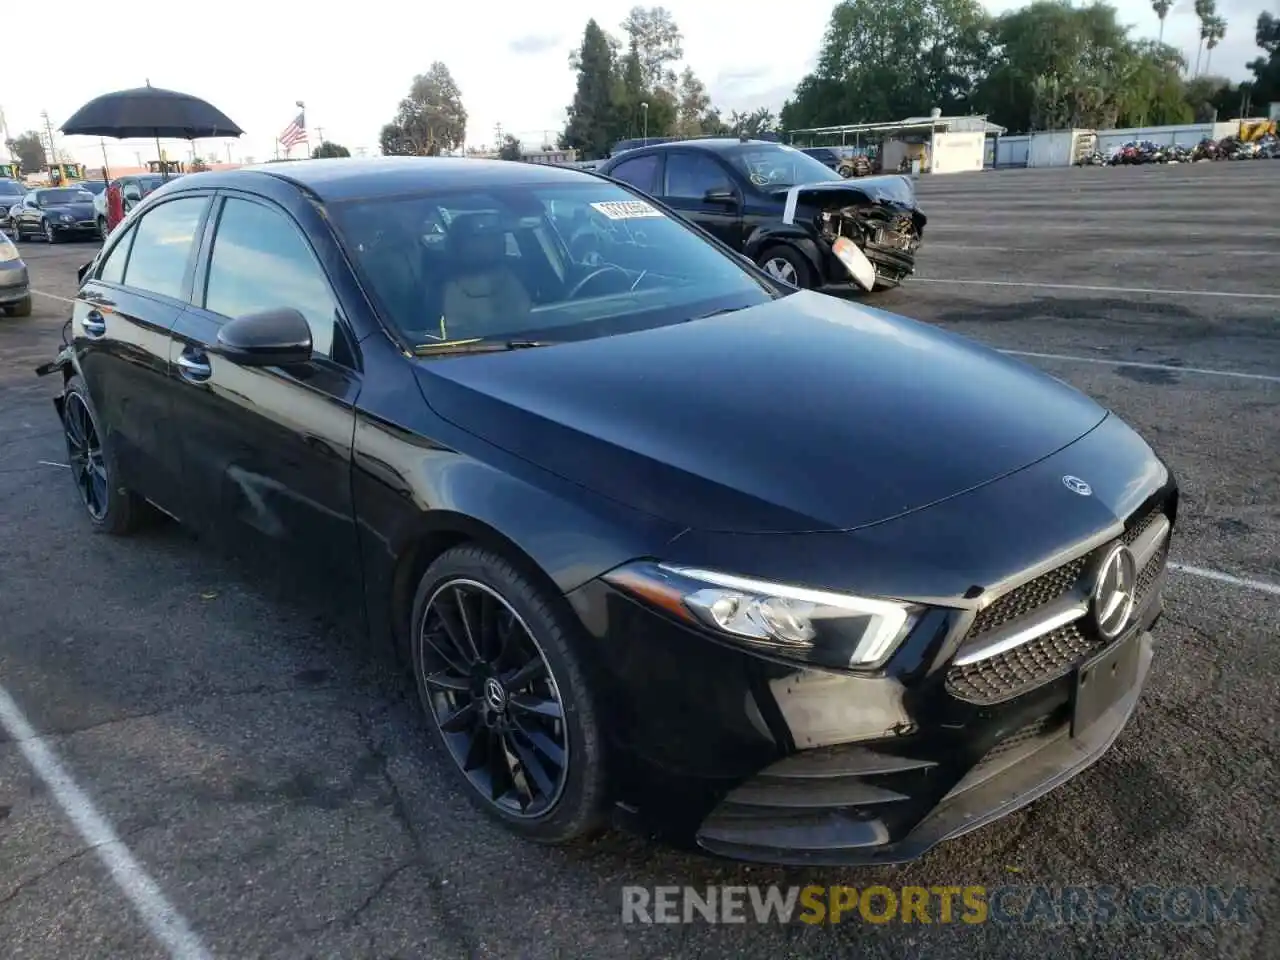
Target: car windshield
10 189
527 261
777 165
93 186
69 195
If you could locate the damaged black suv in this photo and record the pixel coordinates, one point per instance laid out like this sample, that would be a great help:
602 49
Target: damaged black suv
802 222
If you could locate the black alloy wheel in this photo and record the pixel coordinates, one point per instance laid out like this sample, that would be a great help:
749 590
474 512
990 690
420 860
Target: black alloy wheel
84 454
493 697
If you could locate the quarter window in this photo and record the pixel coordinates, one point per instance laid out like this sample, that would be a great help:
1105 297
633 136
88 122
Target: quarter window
113 267
162 243
261 262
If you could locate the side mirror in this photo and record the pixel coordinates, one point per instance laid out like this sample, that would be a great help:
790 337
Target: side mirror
271 338
720 195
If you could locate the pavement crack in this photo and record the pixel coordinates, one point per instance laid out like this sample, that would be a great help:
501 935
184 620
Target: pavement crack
54 868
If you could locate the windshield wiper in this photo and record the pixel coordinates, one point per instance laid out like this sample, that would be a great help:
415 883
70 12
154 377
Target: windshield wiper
716 313
476 346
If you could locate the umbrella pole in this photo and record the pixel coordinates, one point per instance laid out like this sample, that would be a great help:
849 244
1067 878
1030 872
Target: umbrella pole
106 173
164 167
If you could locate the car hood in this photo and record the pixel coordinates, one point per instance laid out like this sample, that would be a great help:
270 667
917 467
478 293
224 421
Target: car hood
807 413
887 188
81 211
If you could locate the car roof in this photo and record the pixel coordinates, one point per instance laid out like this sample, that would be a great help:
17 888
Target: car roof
721 145
347 178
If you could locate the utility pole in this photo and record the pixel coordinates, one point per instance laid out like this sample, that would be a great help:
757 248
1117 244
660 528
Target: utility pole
48 130
497 133
319 135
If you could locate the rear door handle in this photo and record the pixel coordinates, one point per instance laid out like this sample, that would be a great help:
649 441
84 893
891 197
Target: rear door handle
194 366
94 325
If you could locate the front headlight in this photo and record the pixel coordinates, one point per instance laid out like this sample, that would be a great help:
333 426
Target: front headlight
8 251
67 218
815 626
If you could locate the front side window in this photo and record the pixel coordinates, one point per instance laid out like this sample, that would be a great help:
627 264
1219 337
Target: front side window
162 244
113 267
260 262
594 260
690 175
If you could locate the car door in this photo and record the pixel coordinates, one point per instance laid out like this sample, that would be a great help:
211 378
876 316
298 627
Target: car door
30 215
700 187
121 322
267 451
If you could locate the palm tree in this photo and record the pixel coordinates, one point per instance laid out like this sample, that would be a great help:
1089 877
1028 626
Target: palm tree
1162 8
1215 31
1206 10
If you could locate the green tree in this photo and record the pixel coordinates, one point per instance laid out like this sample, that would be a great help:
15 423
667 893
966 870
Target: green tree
430 120
593 113
329 149
510 149
892 59
1206 10
1162 8
1266 70
1214 30
657 41
28 150
692 106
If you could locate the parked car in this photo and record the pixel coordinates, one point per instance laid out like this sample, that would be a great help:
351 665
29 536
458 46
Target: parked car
801 221
134 188
15 294
55 213
11 194
812 581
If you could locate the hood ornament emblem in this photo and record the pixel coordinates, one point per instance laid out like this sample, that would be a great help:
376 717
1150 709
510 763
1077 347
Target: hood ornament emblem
1076 485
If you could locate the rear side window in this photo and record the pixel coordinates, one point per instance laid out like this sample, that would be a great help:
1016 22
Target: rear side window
162 244
641 173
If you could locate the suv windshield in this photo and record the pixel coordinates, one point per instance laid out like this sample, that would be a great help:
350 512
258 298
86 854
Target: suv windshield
523 261
777 165
50 198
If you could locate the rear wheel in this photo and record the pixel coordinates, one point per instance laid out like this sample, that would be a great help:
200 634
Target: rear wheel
112 508
787 264
504 692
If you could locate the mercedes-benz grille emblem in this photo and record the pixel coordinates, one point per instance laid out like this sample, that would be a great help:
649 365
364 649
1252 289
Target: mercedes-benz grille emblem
1115 593
1076 485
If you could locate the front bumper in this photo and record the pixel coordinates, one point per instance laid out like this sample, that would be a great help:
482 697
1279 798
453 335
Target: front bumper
14 283
763 761
858 805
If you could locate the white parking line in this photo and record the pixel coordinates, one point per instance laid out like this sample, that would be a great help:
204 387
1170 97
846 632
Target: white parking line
1205 371
1098 289
1260 585
52 296
160 917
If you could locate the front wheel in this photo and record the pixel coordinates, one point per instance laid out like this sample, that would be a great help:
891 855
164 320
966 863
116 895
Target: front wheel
50 235
496 670
787 264
102 228
20 309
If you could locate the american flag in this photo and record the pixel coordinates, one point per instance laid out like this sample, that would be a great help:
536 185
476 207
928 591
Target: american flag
294 133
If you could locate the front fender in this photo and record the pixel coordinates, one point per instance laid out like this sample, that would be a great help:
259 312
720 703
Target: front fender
766 235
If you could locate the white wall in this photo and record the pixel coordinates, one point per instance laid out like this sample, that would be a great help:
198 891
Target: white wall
958 152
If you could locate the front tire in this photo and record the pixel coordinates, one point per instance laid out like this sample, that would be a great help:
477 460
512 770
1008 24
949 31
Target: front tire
20 309
786 263
112 507
102 228
507 698
50 235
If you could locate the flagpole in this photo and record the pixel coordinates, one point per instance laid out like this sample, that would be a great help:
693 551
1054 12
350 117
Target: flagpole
302 119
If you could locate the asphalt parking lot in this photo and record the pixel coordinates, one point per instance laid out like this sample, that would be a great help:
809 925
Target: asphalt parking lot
253 757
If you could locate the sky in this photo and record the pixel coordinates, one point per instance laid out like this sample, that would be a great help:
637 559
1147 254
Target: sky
352 63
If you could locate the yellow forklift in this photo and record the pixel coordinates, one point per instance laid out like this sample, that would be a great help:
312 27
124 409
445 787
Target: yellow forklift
61 174
166 166
10 171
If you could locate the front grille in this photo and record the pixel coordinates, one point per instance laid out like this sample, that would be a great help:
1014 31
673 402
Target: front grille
1023 668
1044 659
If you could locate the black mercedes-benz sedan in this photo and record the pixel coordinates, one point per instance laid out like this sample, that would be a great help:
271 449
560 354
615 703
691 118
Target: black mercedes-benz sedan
789 212
657 535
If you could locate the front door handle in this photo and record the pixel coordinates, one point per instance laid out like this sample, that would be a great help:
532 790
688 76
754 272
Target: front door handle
94 325
194 366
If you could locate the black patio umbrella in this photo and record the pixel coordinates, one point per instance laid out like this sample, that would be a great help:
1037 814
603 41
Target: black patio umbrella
150 112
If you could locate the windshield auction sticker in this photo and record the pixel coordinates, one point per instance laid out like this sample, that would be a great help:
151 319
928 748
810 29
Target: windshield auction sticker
627 209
